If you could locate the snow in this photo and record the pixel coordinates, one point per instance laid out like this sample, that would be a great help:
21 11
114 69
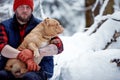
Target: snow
85 57
92 66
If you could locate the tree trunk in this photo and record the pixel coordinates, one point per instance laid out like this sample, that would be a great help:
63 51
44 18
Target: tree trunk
109 8
89 15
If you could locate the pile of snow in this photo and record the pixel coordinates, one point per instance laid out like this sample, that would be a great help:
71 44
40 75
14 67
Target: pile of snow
83 57
92 66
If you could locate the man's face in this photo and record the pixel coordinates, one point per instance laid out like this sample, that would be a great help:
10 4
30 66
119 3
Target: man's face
23 13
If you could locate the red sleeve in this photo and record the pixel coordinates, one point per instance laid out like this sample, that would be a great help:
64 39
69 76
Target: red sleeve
3 37
58 42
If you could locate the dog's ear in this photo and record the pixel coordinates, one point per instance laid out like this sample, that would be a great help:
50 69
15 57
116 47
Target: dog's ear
8 68
47 21
9 65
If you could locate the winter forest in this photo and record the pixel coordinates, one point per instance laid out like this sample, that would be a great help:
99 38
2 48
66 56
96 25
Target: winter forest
91 36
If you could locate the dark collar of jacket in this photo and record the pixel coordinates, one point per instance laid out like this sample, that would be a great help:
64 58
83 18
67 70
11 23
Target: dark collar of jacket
32 21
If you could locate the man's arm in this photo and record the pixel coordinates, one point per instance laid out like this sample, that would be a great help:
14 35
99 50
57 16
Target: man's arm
6 50
58 42
54 48
9 52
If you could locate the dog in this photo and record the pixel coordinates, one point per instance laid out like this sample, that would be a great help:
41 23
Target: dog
39 37
17 67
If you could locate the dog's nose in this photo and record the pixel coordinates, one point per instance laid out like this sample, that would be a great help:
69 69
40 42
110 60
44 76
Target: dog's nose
18 71
60 30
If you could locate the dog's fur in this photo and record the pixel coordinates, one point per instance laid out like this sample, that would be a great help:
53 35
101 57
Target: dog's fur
37 38
17 67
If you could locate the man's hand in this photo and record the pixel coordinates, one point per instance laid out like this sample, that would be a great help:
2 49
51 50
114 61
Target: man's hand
27 57
25 54
32 66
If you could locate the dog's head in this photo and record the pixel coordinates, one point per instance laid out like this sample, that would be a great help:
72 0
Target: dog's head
18 70
52 27
16 67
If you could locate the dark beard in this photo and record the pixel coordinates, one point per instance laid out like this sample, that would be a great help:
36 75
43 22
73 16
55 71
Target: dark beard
22 19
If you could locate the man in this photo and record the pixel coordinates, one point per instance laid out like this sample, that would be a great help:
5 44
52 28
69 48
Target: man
12 32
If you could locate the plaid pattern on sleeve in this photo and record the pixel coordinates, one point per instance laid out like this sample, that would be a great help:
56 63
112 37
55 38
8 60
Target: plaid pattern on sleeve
57 41
3 37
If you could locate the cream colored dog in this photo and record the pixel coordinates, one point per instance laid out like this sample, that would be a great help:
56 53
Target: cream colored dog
17 67
37 38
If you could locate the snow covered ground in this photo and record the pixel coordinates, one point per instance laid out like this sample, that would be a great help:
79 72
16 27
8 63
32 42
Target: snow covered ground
85 55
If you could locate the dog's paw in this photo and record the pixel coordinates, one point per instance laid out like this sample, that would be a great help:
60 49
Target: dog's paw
36 53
